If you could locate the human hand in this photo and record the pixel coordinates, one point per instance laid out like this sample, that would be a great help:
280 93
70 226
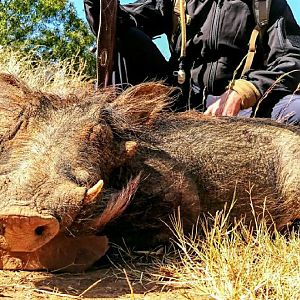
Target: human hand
228 104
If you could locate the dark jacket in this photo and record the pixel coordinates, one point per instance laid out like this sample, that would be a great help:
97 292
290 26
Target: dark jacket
217 41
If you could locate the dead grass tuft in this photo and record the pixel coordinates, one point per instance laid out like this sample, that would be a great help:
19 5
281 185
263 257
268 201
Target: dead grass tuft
234 262
62 76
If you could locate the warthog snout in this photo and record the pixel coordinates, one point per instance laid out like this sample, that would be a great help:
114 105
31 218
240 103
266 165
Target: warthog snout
26 231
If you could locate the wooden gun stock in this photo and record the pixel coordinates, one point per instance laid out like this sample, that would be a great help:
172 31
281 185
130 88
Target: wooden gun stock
106 41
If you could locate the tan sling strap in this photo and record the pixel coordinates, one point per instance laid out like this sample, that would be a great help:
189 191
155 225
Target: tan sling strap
261 9
106 41
179 13
251 50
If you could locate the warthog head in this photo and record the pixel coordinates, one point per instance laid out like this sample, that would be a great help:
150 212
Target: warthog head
56 154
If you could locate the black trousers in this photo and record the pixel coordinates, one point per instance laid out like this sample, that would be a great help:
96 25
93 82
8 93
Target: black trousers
138 59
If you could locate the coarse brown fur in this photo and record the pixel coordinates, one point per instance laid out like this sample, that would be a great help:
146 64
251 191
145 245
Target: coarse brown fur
53 150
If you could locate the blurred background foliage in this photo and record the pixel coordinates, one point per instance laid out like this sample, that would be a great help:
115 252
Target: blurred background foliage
49 29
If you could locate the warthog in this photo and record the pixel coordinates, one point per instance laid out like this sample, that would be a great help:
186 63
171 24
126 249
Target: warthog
78 171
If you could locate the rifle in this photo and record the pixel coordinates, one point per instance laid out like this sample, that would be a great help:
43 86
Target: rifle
106 40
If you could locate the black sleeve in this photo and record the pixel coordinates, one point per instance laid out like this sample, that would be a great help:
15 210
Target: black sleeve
92 11
282 46
154 17
149 16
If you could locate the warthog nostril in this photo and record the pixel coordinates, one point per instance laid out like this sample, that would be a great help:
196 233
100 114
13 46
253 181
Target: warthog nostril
40 230
26 231
2 229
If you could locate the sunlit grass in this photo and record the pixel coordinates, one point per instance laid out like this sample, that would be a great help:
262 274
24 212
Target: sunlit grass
62 76
234 262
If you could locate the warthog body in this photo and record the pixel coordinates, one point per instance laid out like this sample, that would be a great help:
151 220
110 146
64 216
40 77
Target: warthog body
56 152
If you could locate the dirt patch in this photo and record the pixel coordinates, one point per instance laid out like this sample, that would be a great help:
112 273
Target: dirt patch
96 284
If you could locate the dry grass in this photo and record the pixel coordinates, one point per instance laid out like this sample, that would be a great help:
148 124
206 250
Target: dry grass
217 261
234 262
62 77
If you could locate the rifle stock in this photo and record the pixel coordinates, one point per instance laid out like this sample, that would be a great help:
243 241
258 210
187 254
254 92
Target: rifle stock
106 40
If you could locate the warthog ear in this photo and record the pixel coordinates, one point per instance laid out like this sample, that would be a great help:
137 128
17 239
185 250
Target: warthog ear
13 103
139 105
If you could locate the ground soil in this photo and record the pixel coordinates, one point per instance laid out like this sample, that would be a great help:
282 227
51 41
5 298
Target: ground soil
106 284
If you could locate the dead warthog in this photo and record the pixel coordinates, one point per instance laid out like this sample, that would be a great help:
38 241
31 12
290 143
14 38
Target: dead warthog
75 171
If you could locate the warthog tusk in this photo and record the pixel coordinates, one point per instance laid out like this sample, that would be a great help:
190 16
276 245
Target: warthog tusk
93 192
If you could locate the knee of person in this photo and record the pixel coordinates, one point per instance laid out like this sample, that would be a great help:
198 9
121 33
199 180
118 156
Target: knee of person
133 37
287 110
